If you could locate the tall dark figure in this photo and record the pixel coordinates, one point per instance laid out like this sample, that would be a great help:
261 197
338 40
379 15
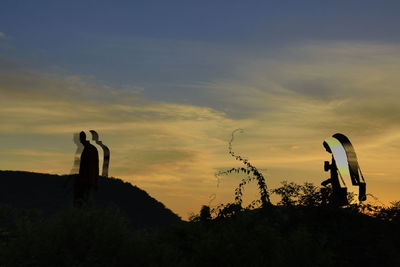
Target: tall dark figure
106 153
86 180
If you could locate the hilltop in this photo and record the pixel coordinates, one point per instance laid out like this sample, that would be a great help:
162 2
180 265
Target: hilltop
49 194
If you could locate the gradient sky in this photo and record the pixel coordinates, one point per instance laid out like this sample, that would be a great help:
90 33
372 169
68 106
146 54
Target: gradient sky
166 82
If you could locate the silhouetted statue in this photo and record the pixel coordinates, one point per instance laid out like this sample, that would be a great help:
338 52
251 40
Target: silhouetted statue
106 153
344 167
79 149
86 180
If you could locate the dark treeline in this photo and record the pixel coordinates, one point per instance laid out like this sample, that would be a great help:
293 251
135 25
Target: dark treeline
303 229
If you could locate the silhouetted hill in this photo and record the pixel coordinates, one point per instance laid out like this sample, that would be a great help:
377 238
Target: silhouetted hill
52 193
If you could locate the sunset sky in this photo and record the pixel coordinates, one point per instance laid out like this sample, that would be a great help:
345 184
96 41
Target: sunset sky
165 83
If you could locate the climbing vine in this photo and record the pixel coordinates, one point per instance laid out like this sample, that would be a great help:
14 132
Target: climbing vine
251 173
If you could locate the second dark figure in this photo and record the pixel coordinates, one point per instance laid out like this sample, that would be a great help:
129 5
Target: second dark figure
86 180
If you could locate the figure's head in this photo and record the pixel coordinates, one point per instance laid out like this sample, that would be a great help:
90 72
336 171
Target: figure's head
82 137
95 135
327 148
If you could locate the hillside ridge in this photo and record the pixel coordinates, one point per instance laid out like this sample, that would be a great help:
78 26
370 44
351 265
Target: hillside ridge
50 193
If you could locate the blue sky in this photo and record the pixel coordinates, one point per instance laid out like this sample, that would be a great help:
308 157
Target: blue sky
142 42
166 82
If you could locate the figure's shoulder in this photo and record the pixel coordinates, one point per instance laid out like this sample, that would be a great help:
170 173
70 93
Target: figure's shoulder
92 148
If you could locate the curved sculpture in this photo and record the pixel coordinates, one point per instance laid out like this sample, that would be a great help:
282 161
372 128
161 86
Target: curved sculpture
344 167
357 179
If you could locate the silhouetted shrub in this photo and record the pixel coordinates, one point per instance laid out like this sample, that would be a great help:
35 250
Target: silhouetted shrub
307 194
289 193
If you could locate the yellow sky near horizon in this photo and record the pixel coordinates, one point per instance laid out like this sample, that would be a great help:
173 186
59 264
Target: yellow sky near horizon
286 105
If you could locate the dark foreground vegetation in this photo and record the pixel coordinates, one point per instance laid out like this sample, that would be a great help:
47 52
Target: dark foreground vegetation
301 230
